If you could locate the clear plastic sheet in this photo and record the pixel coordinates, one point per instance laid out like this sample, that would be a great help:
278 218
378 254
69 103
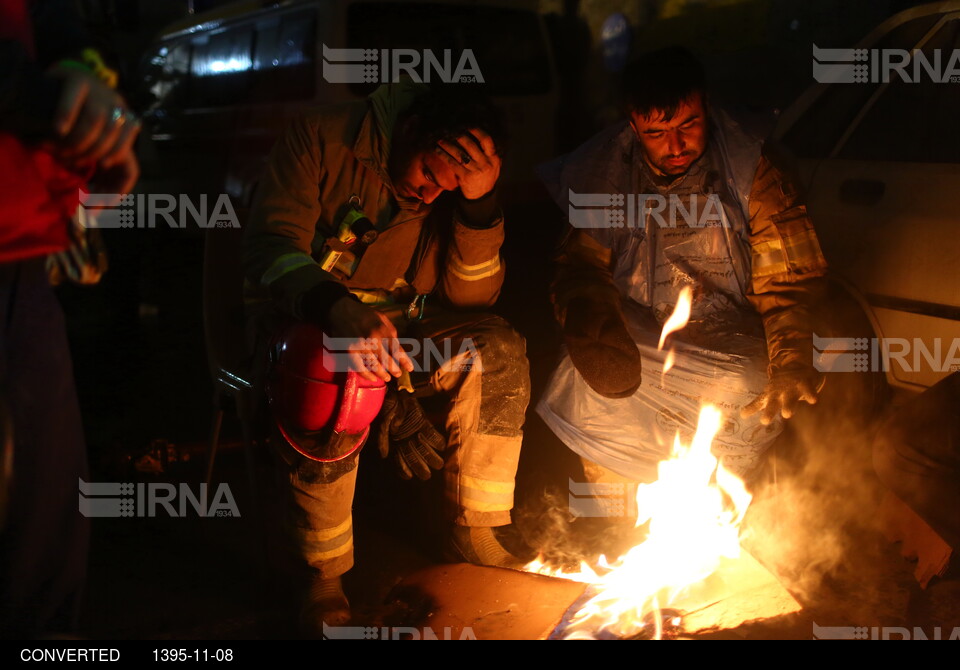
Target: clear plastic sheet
720 362
720 357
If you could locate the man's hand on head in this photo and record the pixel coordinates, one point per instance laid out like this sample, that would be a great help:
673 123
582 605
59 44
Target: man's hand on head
474 161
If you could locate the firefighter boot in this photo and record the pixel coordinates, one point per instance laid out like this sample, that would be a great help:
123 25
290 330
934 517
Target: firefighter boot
326 604
500 546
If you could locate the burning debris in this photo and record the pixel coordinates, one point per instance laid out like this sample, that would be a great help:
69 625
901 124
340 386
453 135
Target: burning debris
693 514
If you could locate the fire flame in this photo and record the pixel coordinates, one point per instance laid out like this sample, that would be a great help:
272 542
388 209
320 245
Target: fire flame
677 320
694 510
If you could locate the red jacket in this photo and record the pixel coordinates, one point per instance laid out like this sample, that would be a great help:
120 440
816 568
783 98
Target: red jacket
38 196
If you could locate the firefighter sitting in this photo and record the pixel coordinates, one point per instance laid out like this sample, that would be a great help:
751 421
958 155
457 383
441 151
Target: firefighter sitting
342 255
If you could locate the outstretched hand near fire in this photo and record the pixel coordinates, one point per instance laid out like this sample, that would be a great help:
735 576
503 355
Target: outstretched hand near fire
783 394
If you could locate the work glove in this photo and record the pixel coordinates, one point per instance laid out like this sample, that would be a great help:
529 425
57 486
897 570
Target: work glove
416 444
601 347
783 393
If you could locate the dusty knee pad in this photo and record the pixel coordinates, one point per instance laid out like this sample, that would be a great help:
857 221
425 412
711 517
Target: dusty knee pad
321 472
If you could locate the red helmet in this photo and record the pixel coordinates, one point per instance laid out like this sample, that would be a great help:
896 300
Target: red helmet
322 410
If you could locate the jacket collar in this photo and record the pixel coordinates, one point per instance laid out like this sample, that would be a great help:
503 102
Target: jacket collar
372 146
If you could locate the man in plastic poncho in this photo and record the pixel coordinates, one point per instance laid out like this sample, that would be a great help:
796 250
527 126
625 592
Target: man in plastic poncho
679 196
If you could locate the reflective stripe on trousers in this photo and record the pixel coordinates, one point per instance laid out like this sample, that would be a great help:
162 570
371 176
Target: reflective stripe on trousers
486 378
488 381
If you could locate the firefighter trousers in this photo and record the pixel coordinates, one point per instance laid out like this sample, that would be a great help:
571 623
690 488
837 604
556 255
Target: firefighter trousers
477 361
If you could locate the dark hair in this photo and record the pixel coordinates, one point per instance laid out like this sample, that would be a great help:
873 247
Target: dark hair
446 112
660 81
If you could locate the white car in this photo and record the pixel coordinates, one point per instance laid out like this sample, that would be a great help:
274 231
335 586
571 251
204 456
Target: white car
880 159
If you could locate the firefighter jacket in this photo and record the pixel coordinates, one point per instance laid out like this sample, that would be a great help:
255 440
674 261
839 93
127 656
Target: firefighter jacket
331 164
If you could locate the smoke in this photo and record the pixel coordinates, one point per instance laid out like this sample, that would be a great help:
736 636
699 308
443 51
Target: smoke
813 516
564 540
814 521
